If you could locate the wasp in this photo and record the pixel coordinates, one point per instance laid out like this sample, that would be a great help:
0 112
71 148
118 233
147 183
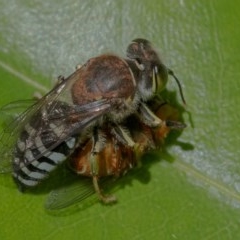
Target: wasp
95 99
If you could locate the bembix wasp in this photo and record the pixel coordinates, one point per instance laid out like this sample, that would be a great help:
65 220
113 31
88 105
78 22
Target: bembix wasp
102 93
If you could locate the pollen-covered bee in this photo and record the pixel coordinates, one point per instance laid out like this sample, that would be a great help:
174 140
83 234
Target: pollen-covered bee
102 93
114 158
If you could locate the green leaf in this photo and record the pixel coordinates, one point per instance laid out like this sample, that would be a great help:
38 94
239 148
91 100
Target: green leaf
197 195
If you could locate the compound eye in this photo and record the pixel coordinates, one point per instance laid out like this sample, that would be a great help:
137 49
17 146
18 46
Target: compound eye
160 77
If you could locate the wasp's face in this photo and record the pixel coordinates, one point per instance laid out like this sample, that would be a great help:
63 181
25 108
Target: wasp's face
154 74
142 51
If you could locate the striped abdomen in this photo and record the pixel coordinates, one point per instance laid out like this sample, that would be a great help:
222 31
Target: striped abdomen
32 173
35 153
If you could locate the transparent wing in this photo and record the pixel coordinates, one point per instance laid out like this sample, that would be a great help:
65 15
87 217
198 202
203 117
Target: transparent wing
77 192
54 118
61 127
14 109
10 113
66 196
11 116
80 190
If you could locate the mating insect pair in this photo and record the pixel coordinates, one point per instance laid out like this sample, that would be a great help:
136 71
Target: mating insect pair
87 116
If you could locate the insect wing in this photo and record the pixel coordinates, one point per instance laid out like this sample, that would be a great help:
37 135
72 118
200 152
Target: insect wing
16 108
12 116
55 109
75 192
79 191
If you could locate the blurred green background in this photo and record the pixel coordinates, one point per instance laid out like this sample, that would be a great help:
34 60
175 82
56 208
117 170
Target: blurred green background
197 195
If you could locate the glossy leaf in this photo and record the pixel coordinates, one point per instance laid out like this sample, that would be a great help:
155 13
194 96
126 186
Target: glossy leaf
189 191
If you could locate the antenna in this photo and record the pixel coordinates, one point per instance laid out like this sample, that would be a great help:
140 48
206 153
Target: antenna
170 72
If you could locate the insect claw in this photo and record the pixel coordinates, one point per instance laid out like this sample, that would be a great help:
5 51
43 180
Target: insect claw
106 199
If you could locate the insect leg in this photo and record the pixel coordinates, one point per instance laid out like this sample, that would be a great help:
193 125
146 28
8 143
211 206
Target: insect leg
148 117
139 65
98 144
122 135
107 199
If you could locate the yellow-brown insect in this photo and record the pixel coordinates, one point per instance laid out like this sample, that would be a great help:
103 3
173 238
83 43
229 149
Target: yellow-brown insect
115 158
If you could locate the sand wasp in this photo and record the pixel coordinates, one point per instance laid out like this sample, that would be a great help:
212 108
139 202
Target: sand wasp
86 118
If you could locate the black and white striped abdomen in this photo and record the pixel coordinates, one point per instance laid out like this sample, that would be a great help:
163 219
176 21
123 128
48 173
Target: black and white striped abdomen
33 160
